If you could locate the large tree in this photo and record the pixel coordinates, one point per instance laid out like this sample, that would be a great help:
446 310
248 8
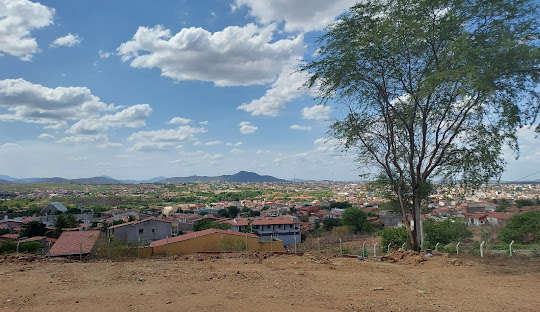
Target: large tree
432 88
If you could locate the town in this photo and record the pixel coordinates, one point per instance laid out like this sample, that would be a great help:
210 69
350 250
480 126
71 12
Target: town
277 217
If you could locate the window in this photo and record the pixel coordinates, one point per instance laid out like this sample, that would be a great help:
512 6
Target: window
141 231
153 230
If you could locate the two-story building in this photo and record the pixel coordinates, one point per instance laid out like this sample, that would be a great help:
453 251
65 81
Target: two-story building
143 231
286 228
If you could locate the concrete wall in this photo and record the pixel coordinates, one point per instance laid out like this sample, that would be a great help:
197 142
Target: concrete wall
148 231
216 242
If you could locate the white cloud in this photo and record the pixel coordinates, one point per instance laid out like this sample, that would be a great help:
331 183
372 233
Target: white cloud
163 139
179 121
35 103
235 144
298 127
10 147
198 157
17 20
104 54
317 112
100 140
235 150
235 56
288 86
298 15
68 40
46 136
327 145
204 123
246 127
132 117
212 143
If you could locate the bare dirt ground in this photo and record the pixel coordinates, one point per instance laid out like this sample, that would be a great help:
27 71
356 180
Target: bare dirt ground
255 282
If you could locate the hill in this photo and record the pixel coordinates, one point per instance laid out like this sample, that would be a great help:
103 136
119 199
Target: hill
240 177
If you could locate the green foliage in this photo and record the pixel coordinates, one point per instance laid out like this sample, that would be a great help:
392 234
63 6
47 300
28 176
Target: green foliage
4 231
419 76
205 224
356 220
520 203
535 251
34 228
64 221
523 228
29 247
396 236
8 247
444 232
340 205
330 223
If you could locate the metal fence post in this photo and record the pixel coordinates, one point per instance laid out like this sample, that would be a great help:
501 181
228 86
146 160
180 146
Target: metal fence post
436 246
457 247
403 246
388 249
364 249
482 248
375 250
511 248
340 247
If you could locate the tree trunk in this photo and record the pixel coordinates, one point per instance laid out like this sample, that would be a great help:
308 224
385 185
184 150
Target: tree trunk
418 226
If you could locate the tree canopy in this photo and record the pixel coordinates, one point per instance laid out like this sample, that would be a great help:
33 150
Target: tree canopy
356 220
432 88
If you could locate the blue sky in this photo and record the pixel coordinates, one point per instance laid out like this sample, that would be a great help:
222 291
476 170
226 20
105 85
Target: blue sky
137 89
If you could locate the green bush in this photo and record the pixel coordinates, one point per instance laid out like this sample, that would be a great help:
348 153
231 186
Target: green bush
8 247
523 228
29 247
444 232
395 236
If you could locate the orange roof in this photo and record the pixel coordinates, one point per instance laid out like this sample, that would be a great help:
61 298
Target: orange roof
500 215
31 239
198 234
74 243
10 236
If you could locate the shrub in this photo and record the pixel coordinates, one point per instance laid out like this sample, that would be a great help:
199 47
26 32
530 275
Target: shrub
395 236
444 232
29 247
8 247
523 228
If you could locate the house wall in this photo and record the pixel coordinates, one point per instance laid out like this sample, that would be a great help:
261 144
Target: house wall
131 233
216 242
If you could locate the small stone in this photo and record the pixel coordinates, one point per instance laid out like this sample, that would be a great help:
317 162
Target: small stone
141 279
378 288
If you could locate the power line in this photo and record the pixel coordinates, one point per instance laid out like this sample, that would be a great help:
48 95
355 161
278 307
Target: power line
525 177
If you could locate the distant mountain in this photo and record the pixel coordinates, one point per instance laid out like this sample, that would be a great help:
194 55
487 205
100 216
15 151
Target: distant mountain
54 180
153 180
2 181
96 180
7 178
242 176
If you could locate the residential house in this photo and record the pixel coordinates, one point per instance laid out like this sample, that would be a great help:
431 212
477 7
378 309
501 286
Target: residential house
143 231
71 244
476 218
286 228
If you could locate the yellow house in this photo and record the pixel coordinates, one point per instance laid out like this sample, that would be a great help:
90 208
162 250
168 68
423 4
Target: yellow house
213 240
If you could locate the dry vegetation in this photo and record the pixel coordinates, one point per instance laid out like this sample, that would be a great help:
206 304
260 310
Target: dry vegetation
250 282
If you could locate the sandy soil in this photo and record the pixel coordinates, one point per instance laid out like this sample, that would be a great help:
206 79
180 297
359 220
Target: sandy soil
312 282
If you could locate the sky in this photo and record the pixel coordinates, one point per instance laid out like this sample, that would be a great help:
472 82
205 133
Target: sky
138 89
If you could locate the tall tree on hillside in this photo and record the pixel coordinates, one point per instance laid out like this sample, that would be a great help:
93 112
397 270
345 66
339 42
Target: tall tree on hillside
432 88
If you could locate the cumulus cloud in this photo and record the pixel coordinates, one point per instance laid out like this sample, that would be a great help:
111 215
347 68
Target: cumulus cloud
17 20
235 150
104 54
163 139
10 147
46 136
35 103
203 122
298 127
287 87
246 127
235 56
179 121
68 40
132 117
235 144
212 143
198 157
317 112
298 15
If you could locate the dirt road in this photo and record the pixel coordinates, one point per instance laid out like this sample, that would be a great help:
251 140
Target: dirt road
312 282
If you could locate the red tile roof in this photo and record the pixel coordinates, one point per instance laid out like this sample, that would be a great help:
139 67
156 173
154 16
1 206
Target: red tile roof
31 239
198 234
261 221
74 243
500 215
10 236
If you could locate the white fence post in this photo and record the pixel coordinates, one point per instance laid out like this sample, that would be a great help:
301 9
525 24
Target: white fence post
340 247
511 248
436 246
364 249
457 247
375 250
403 246
389 247
482 248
